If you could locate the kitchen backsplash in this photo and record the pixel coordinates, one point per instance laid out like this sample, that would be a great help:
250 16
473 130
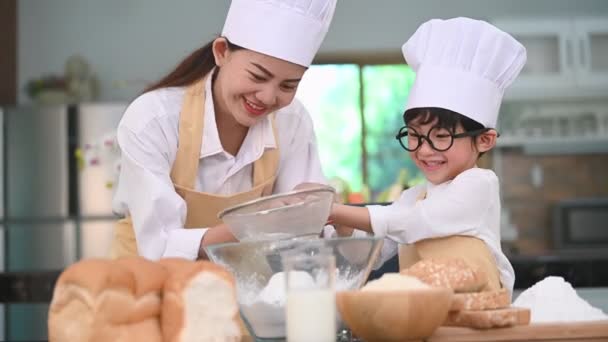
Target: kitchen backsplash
532 184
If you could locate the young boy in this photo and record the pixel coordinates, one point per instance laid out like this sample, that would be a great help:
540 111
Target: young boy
462 69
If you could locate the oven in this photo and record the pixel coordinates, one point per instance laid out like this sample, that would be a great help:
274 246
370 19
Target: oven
581 223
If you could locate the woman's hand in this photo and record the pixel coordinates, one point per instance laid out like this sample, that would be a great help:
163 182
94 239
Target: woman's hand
214 235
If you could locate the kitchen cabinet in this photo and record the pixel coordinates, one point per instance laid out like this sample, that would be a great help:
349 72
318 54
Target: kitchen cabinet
545 127
567 57
593 51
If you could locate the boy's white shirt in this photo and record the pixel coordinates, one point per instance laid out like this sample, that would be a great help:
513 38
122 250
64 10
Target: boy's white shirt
467 205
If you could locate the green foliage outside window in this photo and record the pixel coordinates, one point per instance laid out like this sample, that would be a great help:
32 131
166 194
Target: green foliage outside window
332 95
386 89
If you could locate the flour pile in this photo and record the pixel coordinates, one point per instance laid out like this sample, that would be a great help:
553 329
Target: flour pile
554 300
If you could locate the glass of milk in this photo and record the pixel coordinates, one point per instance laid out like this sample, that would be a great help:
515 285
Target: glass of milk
311 298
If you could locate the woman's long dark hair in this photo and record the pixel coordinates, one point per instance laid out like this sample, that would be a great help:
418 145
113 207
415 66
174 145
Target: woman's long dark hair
194 67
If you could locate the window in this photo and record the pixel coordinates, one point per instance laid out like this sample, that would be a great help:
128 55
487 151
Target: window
357 110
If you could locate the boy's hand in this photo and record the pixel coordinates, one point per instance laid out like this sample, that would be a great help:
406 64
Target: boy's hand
341 230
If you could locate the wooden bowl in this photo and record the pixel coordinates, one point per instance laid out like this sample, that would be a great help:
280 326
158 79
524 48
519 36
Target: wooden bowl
394 315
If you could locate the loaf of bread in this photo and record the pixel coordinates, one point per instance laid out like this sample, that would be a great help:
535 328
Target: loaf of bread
487 319
484 300
124 300
199 303
103 300
453 273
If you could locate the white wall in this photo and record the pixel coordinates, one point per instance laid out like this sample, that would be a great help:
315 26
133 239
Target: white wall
138 40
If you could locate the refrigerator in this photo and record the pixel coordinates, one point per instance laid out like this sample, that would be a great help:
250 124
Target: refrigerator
55 208
96 183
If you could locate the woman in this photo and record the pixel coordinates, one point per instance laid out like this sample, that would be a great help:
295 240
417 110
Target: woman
220 129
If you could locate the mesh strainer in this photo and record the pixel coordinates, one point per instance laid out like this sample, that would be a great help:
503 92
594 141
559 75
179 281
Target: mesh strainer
297 213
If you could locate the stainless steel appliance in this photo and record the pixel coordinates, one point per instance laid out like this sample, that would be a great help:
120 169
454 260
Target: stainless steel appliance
40 229
581 223
96 124
54 212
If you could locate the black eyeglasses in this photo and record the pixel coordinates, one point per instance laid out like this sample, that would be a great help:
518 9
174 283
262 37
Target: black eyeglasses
440 139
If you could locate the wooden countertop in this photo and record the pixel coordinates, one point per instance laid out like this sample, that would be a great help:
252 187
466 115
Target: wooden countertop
596 331
556 332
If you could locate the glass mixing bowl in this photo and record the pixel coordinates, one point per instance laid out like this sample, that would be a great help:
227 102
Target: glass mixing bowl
257 268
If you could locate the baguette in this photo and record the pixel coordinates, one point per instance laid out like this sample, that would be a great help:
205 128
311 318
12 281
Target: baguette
453 273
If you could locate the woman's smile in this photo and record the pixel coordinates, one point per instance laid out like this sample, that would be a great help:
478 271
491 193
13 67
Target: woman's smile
252 108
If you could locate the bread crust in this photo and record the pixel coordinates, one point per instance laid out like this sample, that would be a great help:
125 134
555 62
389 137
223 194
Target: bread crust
453 273
487 319
106 300
484 300
96 275
129 299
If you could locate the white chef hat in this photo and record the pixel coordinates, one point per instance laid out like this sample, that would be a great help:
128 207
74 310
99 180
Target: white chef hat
463 65
292 30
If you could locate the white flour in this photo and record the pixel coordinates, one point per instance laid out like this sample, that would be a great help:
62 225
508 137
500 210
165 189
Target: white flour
554 300
394 282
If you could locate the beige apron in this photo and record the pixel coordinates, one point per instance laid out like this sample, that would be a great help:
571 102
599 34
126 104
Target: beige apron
202 208
473 250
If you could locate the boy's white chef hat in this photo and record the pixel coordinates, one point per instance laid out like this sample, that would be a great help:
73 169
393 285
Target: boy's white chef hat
463 65
292 30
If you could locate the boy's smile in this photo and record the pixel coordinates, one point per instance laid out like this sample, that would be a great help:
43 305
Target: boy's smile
439 167
432 165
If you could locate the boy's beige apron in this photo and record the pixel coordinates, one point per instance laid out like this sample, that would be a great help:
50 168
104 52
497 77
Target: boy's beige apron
202 208
473 250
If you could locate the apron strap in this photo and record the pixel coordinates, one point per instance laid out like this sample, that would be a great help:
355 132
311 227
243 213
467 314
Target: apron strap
191 121
191 124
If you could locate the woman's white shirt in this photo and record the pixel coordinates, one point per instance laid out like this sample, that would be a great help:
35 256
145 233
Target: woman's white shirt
148 139
467 205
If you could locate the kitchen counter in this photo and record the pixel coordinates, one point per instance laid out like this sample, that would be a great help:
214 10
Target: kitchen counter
28 286
31 291
562 332
583 331
581 269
